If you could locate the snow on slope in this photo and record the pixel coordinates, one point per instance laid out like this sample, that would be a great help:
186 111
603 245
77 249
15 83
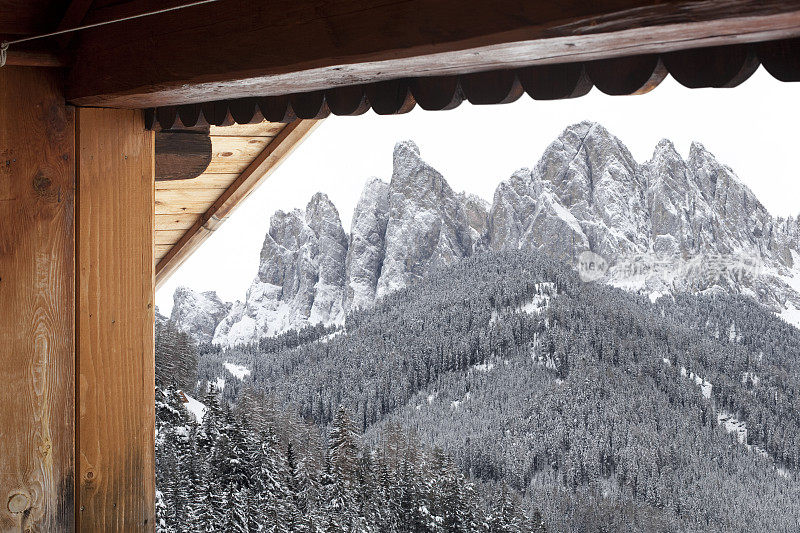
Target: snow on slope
536 305
195 407
238 371
728 421
662 227
791 315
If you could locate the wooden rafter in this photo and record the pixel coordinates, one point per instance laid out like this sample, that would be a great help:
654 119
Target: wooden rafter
721 66
254 174
297 46
75 14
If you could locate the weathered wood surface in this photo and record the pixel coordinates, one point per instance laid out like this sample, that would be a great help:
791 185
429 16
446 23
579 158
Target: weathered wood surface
182 154
271 156
37 392
115 322
34 58
723 66
25 17
166 222
235 49
203 182
73 17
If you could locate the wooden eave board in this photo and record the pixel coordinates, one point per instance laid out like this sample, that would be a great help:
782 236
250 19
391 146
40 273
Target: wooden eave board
180 203
187 211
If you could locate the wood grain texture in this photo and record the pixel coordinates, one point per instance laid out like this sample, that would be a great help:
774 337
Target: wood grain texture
262 129
233 154
183 221
233 49
204 181
35 58
717 66
37 315
554 82
175 202
489 88
169 237
723 66
627 75
24 17
256 172
73 16
182 154
115 321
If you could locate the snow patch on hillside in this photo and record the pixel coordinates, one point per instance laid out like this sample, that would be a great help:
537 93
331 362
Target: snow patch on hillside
545 291
705 385
195 407
751 377
728 421
238 371
655 295
791 315
456 404
330 336
483 367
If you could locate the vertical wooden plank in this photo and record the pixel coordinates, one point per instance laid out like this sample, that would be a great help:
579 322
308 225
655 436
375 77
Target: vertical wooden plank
116 427
37 316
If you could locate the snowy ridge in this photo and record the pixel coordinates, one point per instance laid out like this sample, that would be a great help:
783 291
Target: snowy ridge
664 226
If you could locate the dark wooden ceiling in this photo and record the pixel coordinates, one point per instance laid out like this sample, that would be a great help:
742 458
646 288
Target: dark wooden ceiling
27 17
236 60
712 67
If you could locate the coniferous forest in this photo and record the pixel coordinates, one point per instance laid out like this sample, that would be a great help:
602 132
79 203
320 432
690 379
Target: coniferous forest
500 393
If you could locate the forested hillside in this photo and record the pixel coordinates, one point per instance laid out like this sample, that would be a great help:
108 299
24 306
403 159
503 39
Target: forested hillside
602 409
447 349
257 468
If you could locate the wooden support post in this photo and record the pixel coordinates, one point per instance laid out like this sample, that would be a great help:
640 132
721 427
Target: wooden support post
115 321
37 313
49 268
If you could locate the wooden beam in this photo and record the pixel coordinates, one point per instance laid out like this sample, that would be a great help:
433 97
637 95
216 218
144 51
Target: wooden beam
37 313
35 58
73 16
28 17
235 49
262 166
182 154
116 362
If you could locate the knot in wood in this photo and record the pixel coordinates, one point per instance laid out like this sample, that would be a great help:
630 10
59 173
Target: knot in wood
41 183
18 503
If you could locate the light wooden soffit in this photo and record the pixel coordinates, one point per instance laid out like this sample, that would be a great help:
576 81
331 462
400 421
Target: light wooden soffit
187 212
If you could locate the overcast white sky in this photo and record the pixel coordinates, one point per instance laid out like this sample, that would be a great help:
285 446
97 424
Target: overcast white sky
752 128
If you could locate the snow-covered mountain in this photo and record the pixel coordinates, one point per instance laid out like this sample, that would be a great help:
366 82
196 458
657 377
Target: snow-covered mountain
663 226
198 313
312 272
301 276
666 225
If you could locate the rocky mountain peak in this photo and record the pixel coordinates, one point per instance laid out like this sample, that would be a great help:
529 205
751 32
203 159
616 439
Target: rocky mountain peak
367 245
586 193
406 155
477 211
427 224
665 149
198 313
322 216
